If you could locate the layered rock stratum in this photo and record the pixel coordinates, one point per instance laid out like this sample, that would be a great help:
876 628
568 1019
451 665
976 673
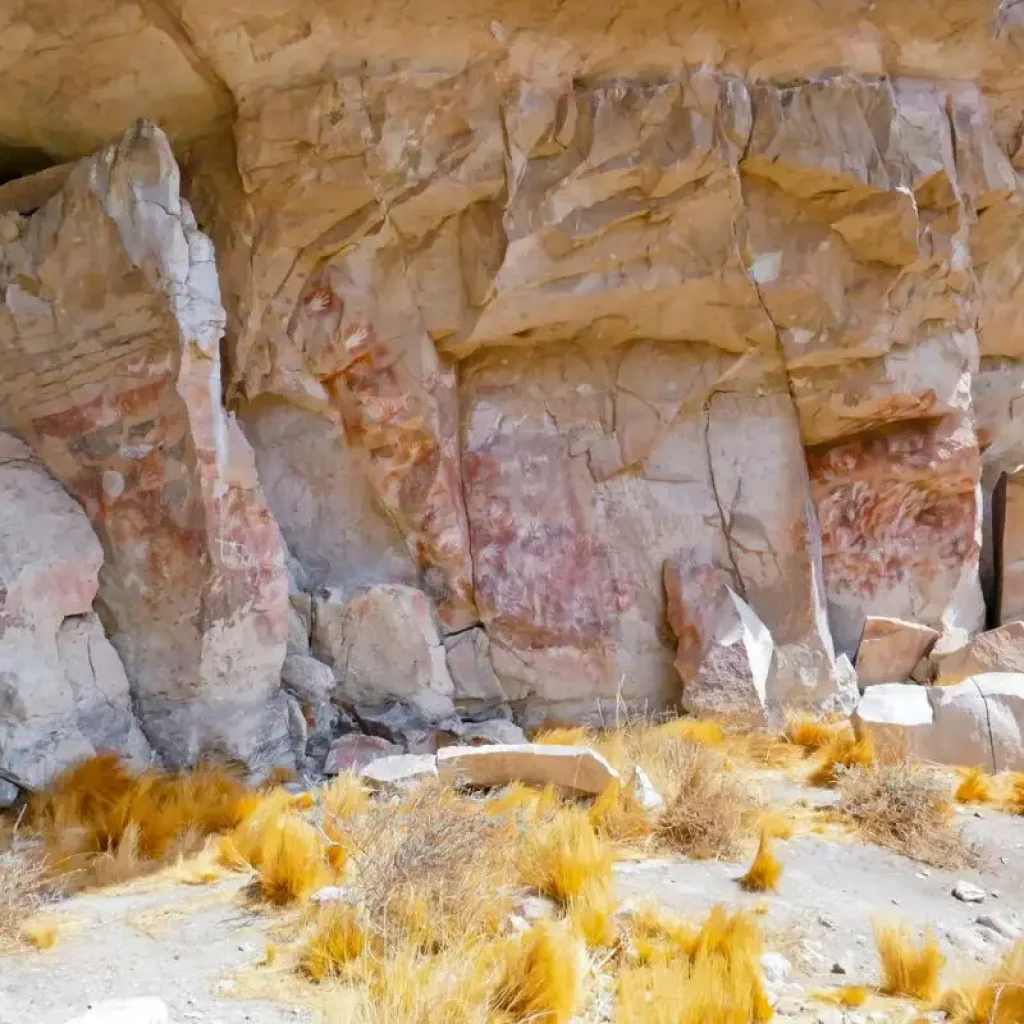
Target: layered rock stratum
496 321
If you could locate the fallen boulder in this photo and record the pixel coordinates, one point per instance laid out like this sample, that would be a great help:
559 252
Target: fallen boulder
399 771
724 654
897 717
890 649
354 751
383 646
998 650
575 769
979 722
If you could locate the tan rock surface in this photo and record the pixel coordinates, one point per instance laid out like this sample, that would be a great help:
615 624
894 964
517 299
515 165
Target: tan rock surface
998 650
575 769
890 649
110 323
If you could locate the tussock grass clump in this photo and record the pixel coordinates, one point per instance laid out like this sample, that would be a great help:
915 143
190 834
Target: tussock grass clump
812 734
576 736
709 812
906 810
765 873
844 751
540 975
696 730
346 797
340 938
618 815
718 982
908 969
102 824
1015 801
975 787
291 861
997 999
566 859
40 934
654 937
849 996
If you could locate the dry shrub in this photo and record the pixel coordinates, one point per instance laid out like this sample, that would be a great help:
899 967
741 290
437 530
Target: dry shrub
777 824
975 787
812 734
997 999
105 824
340 938
434 871
21 890
906 810
541 975
908 969
765 872
243 848
718 982
709 811
291 861
843 752
617 814
565 858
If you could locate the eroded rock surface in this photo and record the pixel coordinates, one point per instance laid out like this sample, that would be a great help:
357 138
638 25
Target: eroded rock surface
110 323
63 690
512 327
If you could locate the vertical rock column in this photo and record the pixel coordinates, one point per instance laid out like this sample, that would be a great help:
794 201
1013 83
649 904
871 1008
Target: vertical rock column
110 323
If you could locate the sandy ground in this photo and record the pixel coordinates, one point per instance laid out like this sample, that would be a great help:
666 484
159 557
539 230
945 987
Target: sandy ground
184 944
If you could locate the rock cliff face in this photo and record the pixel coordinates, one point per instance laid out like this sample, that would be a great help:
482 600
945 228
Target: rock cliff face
534 310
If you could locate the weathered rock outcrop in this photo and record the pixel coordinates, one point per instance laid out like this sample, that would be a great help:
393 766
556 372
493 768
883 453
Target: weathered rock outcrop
63 691
110 324
521 308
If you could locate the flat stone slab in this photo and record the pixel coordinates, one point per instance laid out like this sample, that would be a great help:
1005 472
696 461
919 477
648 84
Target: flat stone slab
577 769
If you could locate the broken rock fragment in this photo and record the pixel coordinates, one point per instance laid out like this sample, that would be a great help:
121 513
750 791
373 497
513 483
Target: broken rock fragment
890 649
574 769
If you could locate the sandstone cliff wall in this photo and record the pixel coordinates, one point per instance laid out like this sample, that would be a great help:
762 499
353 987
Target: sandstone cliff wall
534 310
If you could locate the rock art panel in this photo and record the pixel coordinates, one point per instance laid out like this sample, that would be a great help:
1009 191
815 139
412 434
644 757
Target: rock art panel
859 243
63 691
110 325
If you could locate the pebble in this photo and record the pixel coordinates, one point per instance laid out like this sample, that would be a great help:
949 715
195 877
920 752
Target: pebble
839 968
776 967
968 892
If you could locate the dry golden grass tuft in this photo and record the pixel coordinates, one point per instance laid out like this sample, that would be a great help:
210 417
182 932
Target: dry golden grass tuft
717 980
997 999
654 937
577 736
843 752
765 873
812 733
339 939
908 968
778 824
291 863
975 787
907 810
540 975
565 859
618 815
1015 801
697 730
40 933
346 797
709 810
849 996
103 825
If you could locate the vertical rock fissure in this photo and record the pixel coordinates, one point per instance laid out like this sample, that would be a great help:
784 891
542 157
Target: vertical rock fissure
988 725
726 525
